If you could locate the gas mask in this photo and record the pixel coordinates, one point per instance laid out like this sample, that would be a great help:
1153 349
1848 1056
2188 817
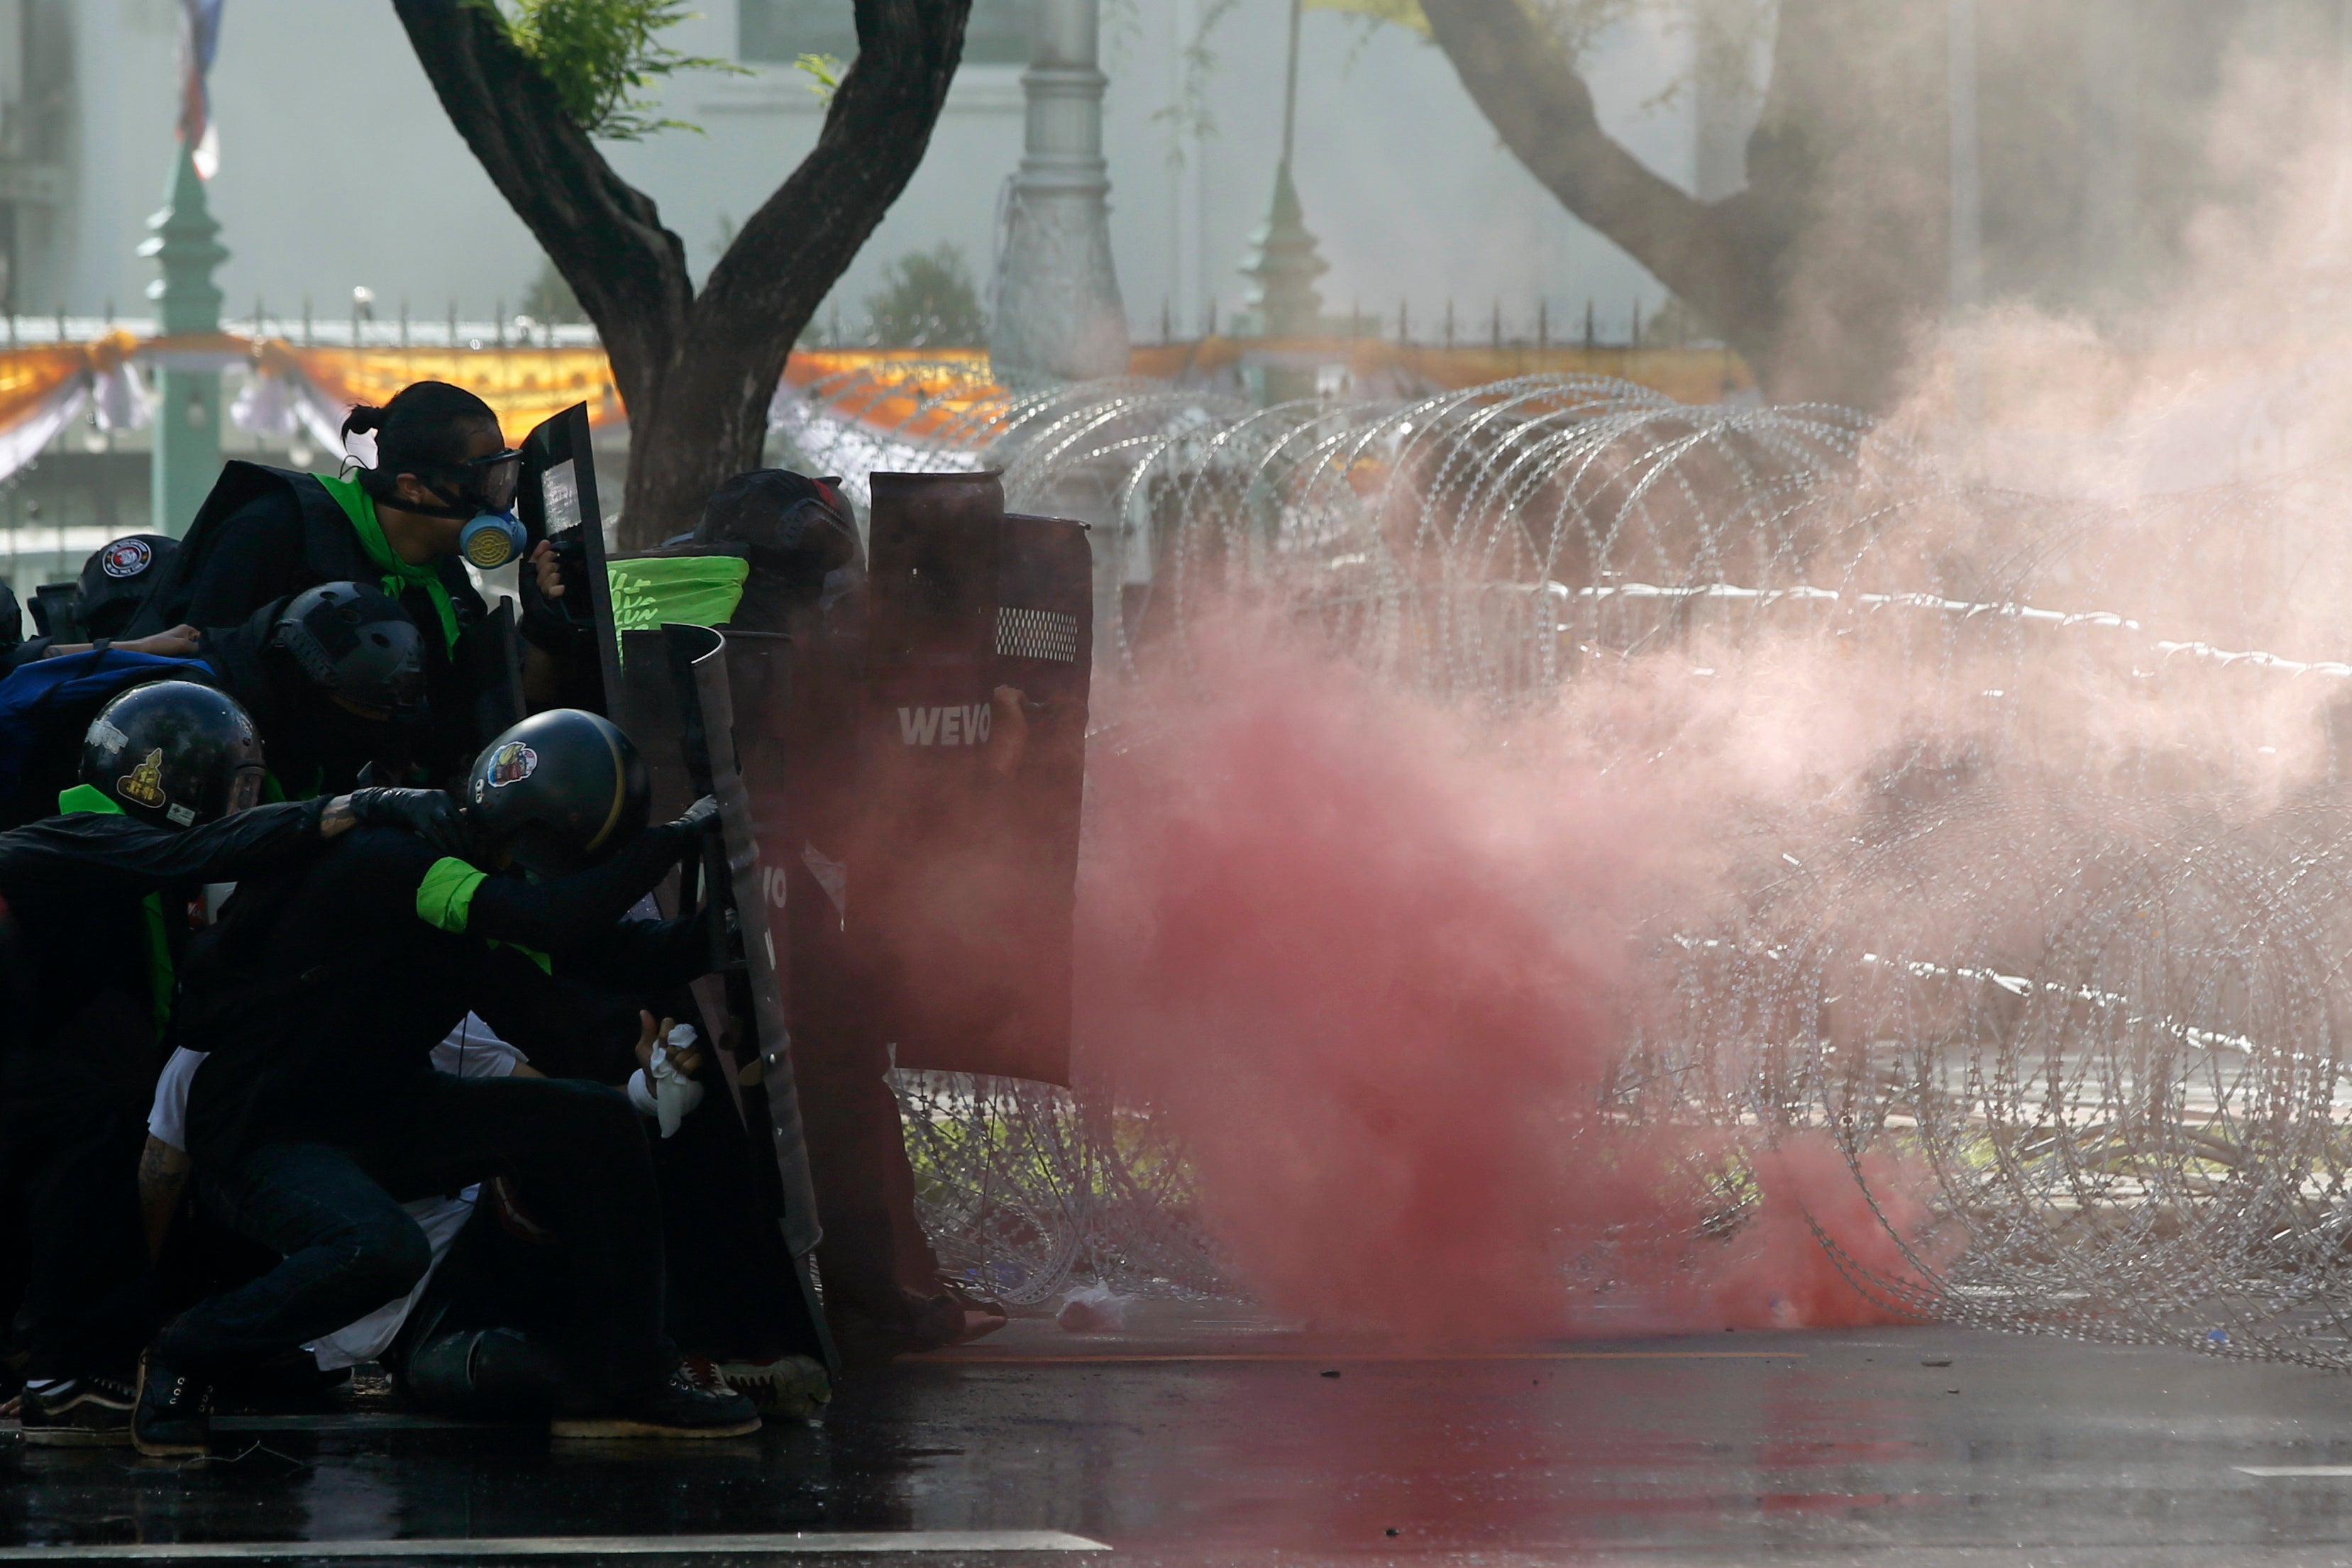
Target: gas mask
491 539
485 489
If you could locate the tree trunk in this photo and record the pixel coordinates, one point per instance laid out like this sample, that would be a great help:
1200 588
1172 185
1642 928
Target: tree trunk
696 371
1850 193
1820 271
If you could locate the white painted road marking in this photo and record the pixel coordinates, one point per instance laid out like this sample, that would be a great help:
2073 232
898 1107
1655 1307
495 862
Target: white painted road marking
806 1543
2339 1471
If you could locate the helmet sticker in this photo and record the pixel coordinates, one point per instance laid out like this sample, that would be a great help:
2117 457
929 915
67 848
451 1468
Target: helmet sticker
512 764
144 783
181 814
126 558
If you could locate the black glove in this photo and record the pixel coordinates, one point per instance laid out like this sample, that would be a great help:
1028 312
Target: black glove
700 817
429 813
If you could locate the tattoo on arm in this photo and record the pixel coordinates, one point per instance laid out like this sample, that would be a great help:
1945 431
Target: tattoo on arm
338 818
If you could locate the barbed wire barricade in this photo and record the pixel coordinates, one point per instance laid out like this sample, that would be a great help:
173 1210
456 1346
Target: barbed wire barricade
2072 945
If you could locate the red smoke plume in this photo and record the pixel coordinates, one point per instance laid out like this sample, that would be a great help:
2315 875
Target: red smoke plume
1370 964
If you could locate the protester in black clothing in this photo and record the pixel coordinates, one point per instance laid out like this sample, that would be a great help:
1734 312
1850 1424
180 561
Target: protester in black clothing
111 590
317 1112
476 1343
264 533
167 771
884 1295
444 476
333 676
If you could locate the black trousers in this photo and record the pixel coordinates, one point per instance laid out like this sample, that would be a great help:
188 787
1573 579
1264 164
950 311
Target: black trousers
332 1212
731 1293
874 1252
69 1143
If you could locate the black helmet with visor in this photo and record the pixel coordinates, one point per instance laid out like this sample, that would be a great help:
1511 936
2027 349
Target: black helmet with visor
173 753
358 646
558 792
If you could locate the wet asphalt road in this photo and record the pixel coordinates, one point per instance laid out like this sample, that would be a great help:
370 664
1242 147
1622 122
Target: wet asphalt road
1219 1441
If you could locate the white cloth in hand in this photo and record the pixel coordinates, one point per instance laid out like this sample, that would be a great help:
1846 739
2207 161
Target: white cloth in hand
671 1094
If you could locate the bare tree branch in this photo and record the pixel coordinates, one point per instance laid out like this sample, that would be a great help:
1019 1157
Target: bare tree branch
697 372
1530 89
764 291
604 235
1819 270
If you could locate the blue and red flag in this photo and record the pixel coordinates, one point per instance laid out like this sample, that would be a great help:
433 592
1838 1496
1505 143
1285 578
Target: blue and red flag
200 23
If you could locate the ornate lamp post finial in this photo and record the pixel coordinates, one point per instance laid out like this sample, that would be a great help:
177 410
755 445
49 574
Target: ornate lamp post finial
188 301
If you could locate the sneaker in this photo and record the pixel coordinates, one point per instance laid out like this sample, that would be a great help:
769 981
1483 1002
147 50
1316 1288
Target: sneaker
677 1408
785 1385
703 1374
79 1412
174 1415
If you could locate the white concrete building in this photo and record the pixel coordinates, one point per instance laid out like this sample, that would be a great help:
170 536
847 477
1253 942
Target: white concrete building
338 167
339 170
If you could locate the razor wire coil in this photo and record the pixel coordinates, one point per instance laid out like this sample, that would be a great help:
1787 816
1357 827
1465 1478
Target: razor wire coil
2094 990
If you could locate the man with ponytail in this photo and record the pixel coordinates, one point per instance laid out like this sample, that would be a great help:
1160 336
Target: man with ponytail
444 479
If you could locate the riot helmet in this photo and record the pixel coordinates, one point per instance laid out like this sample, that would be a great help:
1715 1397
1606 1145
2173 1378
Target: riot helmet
794 526
558 793
358 646
173 753
116 578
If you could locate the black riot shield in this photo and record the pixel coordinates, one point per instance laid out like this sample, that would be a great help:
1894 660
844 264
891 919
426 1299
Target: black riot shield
742 1002
963 869
558 493
1045 649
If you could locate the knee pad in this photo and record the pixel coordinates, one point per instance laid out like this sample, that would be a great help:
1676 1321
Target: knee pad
485 1374
514 1373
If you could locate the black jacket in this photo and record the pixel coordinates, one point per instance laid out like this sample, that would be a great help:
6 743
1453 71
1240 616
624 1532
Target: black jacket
75 938
326 990
263 534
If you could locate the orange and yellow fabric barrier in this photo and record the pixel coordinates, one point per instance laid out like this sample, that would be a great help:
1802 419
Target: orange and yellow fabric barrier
908 391
524 385
30 377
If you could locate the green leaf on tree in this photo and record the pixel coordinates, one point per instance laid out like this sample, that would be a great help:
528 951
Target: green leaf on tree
601 57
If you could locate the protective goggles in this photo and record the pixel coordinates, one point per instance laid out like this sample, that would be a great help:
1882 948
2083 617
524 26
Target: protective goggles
489 483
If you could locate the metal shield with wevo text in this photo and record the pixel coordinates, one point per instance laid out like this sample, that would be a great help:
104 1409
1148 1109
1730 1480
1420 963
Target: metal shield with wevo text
962 870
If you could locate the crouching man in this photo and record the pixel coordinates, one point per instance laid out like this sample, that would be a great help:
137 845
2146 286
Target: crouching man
88 958
317 1112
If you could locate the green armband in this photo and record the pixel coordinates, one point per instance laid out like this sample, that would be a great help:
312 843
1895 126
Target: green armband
445 898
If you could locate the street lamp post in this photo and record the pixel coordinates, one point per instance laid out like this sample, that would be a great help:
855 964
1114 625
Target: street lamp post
1059 313
187 301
